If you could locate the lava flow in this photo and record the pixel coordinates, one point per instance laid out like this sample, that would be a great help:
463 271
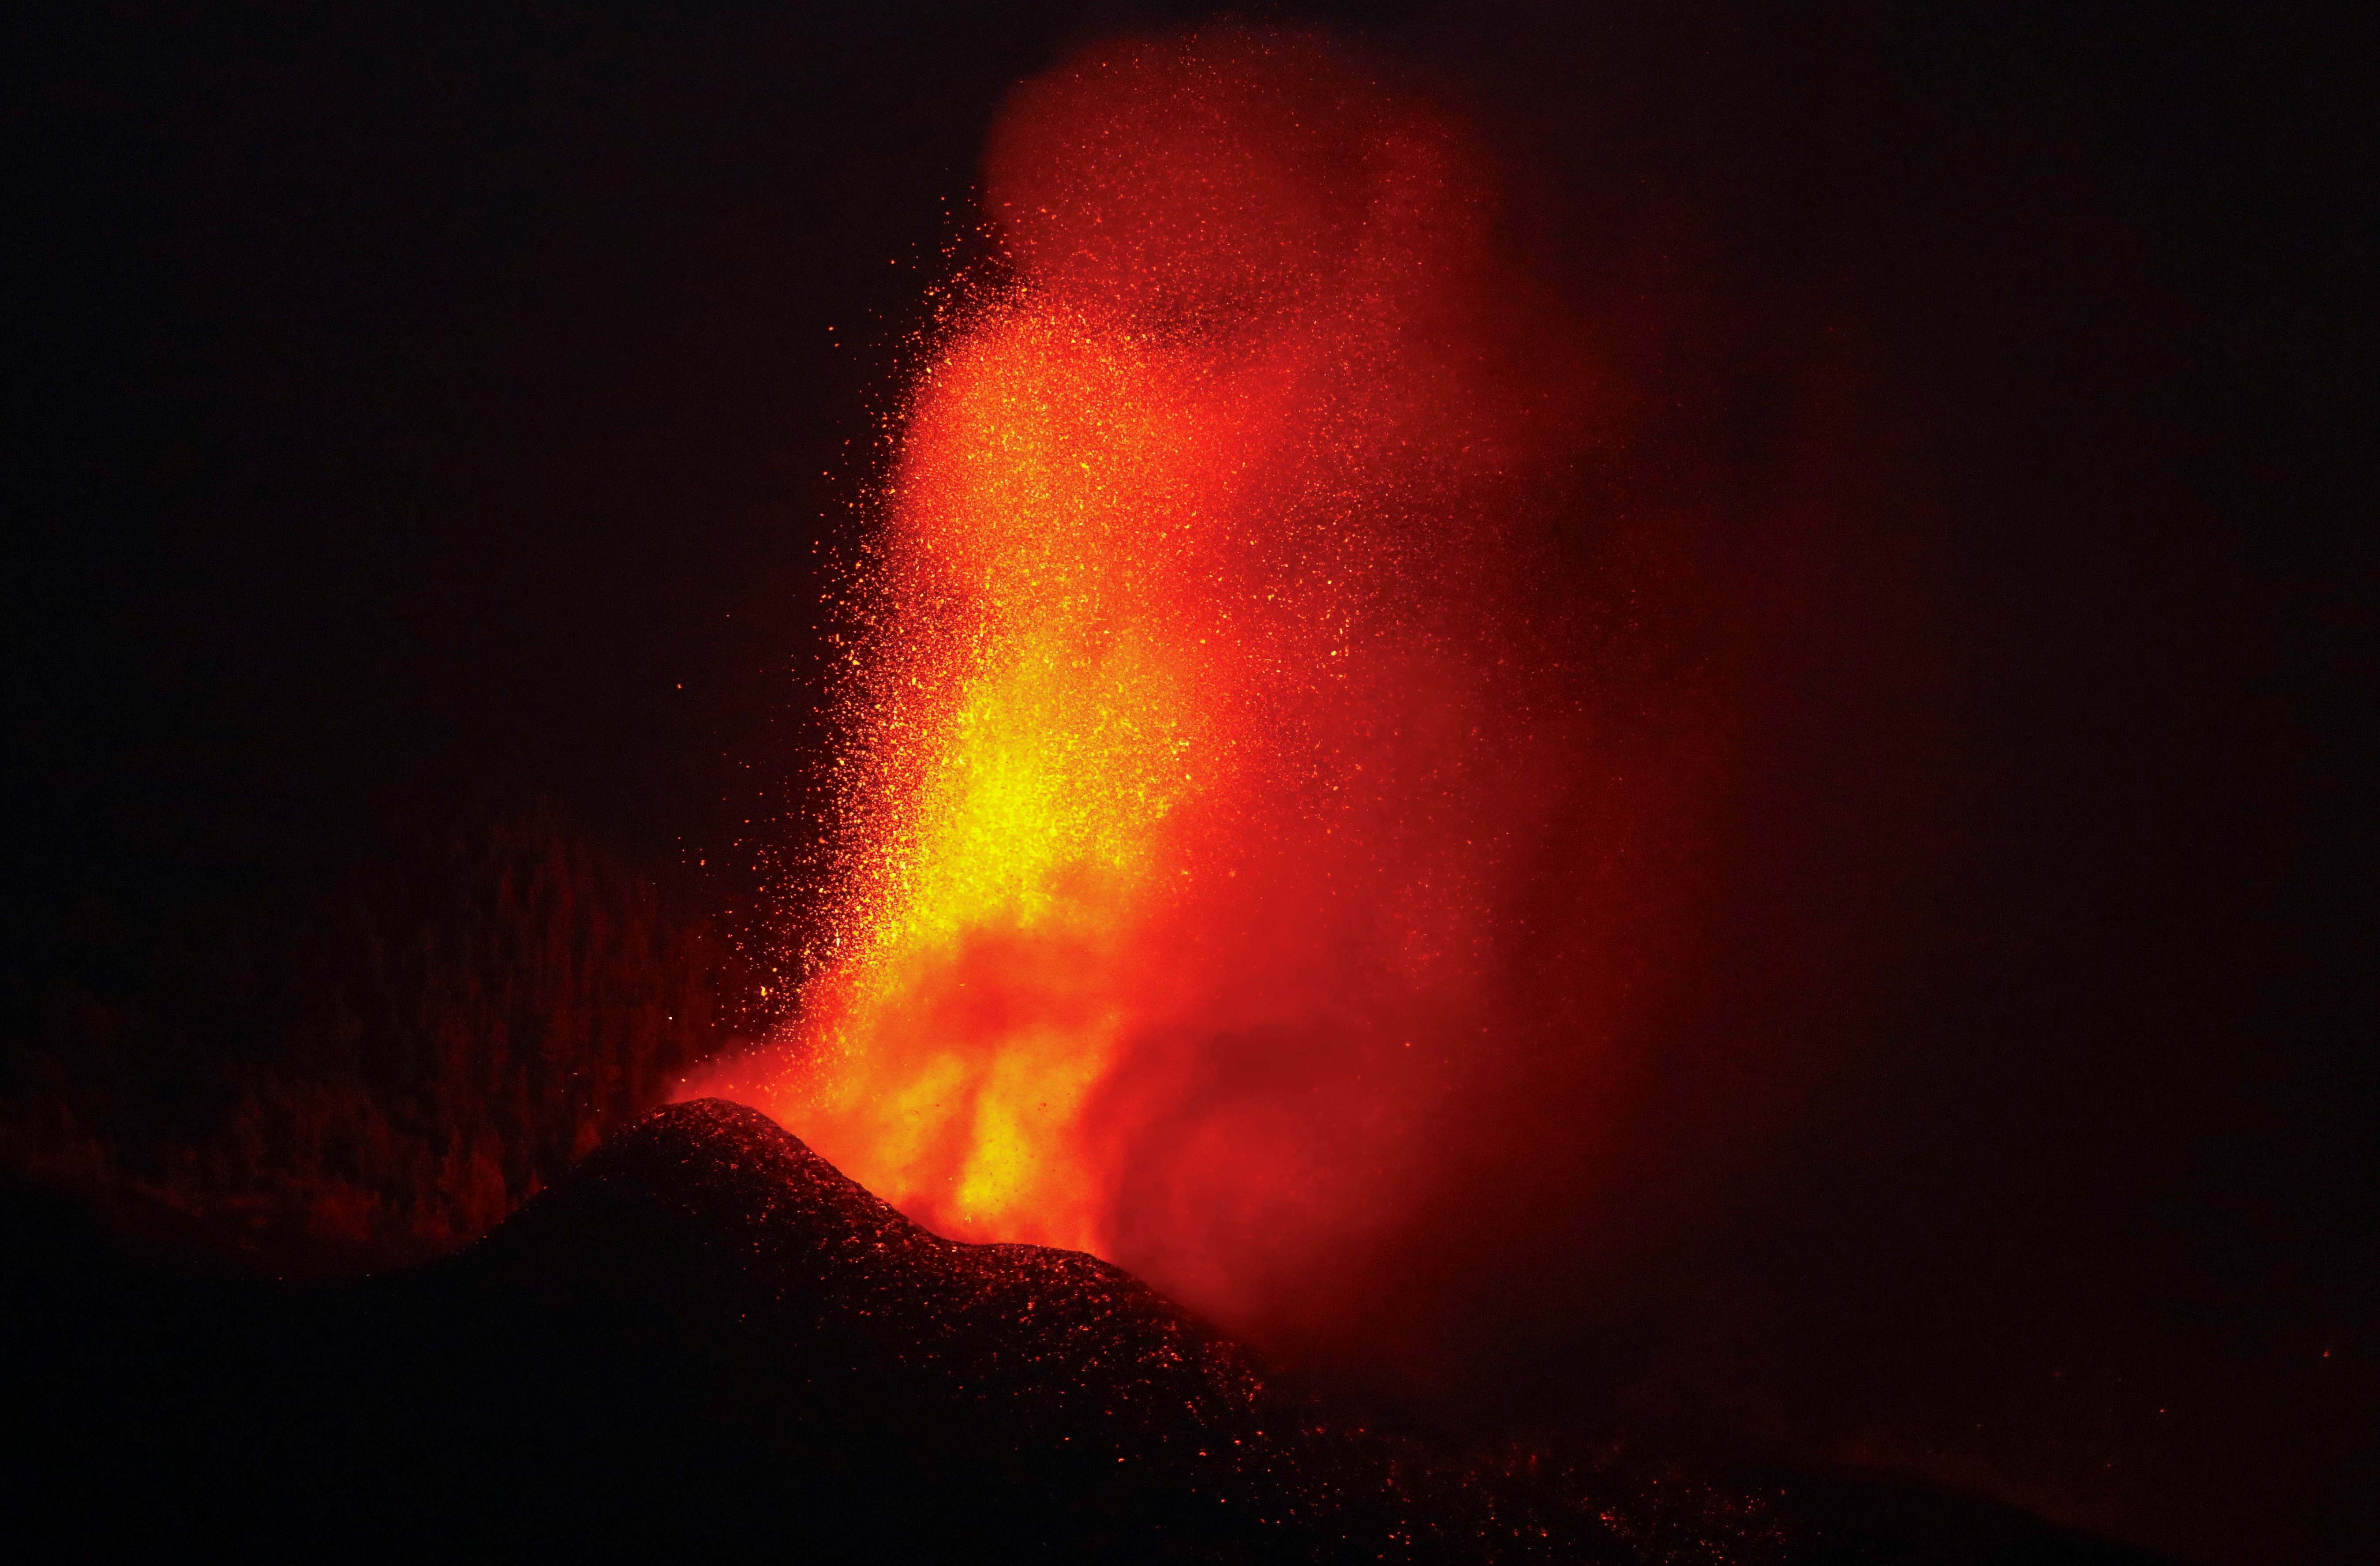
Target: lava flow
1167 886
1217 745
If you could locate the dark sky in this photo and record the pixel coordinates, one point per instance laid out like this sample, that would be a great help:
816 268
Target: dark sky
430 393
412 412
409 401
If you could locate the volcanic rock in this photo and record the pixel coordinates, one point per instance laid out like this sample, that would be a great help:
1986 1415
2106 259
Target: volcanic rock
709 1343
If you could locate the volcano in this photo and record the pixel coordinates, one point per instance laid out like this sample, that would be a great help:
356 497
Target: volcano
710 1343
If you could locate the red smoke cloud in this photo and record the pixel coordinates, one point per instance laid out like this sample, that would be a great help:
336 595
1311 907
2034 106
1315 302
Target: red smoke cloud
1321 722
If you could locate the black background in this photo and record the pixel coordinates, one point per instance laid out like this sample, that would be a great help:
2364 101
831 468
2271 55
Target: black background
415 412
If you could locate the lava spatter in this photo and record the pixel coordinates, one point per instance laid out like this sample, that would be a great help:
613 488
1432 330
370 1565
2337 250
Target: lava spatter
1193 691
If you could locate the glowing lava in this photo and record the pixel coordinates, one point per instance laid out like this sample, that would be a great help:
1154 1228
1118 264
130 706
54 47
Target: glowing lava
1166 884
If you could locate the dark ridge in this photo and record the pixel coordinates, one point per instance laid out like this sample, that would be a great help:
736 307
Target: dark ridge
709 1343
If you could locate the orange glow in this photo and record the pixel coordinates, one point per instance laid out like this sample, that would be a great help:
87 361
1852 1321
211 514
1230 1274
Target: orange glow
1165 889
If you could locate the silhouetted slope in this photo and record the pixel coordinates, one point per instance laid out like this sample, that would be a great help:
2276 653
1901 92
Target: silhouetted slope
826 1277
709 1343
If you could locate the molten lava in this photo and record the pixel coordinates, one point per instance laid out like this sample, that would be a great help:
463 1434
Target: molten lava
1166 887
1357 782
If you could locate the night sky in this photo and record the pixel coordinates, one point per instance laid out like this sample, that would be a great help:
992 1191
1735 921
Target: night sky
414 415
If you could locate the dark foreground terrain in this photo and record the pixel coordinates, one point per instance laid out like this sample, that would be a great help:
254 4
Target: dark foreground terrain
709 1343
